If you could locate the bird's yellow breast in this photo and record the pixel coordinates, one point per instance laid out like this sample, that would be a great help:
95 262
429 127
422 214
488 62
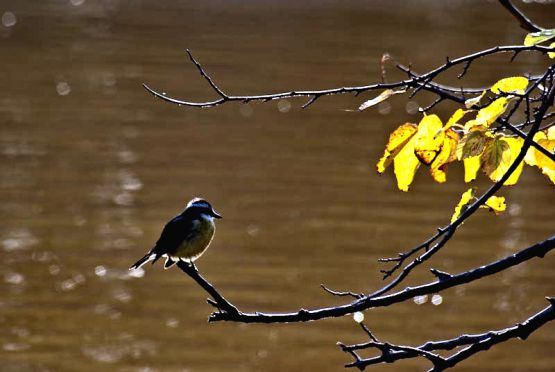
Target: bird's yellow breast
195 245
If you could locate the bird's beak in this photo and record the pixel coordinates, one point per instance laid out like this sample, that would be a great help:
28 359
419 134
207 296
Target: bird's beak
216 214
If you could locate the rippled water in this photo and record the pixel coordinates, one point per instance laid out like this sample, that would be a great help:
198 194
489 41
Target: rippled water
92 167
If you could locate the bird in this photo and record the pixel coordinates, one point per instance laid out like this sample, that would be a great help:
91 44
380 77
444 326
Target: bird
185 237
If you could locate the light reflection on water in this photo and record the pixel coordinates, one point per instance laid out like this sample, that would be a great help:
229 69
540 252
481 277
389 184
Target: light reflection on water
92 167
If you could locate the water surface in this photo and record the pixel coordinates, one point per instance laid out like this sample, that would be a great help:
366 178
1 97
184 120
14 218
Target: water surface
92 167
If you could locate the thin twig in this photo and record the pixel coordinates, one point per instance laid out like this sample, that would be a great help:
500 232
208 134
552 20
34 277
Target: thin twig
341 293
525 22
206 76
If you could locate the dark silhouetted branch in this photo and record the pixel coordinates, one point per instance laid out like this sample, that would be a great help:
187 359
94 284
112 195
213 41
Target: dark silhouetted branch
525 23
472 344
342 293
218 300
313 95
228 312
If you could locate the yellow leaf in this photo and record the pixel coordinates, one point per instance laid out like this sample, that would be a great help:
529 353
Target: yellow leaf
498 156
466 200
538 37
549 172
551 54
428 139
515 84
438 168
454 119
382 97
405 165
515 145
398 139
472 144
400 151
474 101
495 204
532 153
542 160
471 168
490 113
473 125
546 139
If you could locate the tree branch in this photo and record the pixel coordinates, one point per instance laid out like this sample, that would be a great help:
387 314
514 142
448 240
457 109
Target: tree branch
228 312
525 22
219 301
477 342
315 94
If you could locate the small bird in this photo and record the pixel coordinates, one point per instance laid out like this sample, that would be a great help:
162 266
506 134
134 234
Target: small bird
185 237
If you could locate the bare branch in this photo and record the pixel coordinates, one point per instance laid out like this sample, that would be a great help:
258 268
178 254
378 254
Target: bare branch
525 23
477 342
218 300
464 70
341 293
228 312
205 75
411 83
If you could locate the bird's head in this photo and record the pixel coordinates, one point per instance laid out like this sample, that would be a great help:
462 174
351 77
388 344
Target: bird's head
201 206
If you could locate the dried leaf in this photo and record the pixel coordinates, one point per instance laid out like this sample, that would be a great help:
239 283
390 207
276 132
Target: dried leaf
474 101
498 156
428 139
380 98
473 144
466 200
515 84
397 141
539 37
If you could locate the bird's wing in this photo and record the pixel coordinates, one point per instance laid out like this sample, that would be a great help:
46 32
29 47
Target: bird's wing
174 233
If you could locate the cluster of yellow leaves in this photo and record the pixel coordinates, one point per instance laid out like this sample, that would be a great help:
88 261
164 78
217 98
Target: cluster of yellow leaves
541 37
434 145
495 204
427 143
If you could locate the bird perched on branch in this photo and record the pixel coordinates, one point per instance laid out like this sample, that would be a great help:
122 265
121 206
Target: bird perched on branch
185 237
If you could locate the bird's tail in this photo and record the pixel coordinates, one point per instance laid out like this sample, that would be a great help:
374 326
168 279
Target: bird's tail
147 257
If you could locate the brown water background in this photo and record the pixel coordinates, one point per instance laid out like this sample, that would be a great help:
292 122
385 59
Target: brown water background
91 168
